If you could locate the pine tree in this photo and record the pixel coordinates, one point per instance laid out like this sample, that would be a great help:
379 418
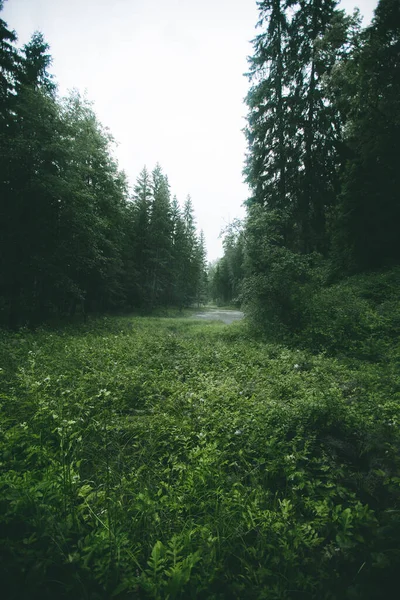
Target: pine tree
268 129
93 208
160 238
201 289
191 268
31 188
179 256
293 165
138 242
36 63
9 67
369 90
315 121
292 128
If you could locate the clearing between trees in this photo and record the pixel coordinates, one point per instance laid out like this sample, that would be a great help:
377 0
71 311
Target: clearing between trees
177 458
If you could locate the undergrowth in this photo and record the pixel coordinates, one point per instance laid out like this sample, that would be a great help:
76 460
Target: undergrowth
166 458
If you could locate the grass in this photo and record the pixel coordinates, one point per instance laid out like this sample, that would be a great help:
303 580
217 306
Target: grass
172 458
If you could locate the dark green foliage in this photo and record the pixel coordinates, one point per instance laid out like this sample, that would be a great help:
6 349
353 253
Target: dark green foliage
358 317
165 257
70 240
268 122
160 233
225 276
138 244
9 67
323 135
291 130
164 458
367 233
278 281
35 64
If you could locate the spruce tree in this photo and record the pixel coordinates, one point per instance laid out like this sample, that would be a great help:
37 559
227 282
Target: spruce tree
31 189
93 208
139 243
9 67
292 128
368 88
268 130
160 238
201 287
314 117
179 256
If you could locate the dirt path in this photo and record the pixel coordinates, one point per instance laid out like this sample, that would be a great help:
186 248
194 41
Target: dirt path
214 314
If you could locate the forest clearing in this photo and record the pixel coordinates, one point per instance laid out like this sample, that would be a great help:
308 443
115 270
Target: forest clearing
174 458
199 392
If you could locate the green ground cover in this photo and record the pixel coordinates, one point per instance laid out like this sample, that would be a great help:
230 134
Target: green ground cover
170 458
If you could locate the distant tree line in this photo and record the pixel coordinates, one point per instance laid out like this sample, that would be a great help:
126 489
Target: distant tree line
71 236
226 274
323 133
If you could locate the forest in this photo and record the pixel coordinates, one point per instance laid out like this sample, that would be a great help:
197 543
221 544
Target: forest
73 239
147 453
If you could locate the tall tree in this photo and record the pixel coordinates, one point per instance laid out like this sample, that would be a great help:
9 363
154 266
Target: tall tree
191 267
292 129
36 63
200 258
93 208
9 65
138 242
160 237
316 122
268 129
368 88
31 190
294 136
179 249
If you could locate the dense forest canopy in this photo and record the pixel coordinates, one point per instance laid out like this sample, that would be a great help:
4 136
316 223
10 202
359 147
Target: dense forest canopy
323 133
72 237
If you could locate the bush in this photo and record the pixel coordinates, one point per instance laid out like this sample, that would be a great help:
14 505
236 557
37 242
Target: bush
276 290
359 316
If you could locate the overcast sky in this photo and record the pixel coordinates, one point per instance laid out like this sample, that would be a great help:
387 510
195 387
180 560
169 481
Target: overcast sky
166 77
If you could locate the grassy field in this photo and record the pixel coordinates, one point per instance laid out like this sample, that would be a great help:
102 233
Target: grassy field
168 458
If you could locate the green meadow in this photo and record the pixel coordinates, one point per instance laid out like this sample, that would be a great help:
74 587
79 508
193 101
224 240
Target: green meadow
171 458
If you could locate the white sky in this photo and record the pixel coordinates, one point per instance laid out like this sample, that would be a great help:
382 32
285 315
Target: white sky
166 77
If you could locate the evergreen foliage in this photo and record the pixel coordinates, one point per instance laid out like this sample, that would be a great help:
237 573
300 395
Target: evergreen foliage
369 207
168 458
323 147
71 238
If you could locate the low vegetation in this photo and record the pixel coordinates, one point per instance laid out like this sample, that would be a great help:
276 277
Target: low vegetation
168 458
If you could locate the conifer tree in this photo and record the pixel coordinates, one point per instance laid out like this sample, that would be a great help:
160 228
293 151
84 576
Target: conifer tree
201 289
268 129
31 195
315 122
9 67
368 89
292 133
160 238
138 240
69 239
